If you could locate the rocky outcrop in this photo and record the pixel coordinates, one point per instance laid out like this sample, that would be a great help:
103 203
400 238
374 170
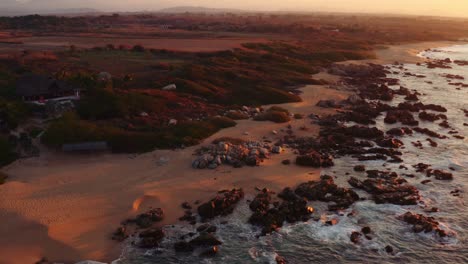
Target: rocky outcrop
237 155
423 223
150 238
328 104
440 174
387 187
271 215
205 239
147 219
315 159
223 204
326 190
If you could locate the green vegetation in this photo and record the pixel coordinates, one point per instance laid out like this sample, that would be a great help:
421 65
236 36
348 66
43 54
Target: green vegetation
34 132
244 77
275 114
222 122
3 177
298 116
237 115
70 129
7 83
12 112
7 153
208 83
102 104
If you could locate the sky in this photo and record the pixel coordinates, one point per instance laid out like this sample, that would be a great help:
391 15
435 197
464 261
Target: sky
419 7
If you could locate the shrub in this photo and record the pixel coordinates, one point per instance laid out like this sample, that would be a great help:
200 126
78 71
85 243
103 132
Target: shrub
69 129
34 132
298 116
222 122
105 104
138 48
237 115
193 87
101 104
278 117
3 177
278 109
13 112
275 114
83 80
7 153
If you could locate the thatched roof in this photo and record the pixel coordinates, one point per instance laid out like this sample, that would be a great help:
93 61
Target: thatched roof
31 84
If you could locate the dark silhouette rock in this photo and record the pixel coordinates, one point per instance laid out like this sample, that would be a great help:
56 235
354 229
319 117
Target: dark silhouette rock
210 252
422 223
355 237
183 246
222 204
359 168
147 219
389 249
205 239
150 238
366 230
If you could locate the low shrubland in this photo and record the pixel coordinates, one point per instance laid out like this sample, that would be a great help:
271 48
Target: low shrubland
275 114
71 129
7 153
3 177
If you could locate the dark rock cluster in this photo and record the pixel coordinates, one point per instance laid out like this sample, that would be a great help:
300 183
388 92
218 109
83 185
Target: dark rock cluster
423 223
387 187
223 204
327 191
271 215
250 153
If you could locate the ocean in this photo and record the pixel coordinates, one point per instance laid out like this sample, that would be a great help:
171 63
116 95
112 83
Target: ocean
315 242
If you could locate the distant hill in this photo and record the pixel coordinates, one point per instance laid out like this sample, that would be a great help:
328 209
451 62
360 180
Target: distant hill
70 11
199 9
41 7
13 11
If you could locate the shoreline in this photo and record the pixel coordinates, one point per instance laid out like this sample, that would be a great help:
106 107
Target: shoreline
406 53
71 204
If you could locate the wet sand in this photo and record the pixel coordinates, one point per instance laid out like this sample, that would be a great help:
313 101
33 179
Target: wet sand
65 207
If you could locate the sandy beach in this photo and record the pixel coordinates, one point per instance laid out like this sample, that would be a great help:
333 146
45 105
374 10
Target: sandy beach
64 207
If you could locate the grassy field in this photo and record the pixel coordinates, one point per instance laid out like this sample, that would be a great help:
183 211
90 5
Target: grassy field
119 62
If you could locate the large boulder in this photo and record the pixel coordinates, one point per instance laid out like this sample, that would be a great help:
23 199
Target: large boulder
183 246
222 204
147 219
271 216
387 187
327 191
423 223
205 239
315 159
440 174
150 238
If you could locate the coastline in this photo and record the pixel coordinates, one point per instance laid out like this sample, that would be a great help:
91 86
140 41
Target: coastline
71 204
405 53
